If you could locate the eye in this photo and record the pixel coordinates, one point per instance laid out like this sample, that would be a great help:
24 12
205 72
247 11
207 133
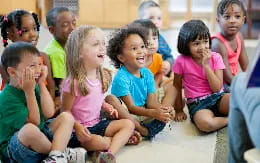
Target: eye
237 16
226 17
143 47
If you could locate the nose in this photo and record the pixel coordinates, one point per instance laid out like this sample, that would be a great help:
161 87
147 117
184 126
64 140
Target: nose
72 26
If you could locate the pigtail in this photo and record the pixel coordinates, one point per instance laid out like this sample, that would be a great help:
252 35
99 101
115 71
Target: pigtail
18 21
36 21
4 24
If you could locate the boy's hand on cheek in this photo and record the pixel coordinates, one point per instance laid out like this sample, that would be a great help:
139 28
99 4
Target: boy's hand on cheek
43 76
27 82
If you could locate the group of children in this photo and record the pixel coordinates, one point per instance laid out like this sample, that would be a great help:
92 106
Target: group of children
51 105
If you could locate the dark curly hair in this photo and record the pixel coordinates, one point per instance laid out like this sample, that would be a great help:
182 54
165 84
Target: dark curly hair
15 18
223 5
189 32
117 41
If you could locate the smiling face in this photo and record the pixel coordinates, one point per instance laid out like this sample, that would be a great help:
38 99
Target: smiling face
93 50
65 24
27 61
28 28
152 43
155 15
197 47
133 53
231 20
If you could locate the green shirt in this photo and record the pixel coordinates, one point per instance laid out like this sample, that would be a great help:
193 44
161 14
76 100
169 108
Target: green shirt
57 58
14 113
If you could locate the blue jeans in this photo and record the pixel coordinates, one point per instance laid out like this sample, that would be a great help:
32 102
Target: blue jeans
153 127
244 121
17 152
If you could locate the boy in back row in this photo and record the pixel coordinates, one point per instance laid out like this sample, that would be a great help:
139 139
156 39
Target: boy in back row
151 10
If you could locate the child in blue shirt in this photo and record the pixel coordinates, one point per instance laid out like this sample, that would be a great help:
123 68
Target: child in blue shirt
134 84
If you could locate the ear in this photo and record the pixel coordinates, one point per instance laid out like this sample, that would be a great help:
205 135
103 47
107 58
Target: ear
244 18
11 71
121 58
51 29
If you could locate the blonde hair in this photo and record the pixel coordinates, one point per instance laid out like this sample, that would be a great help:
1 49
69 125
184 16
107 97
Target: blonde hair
75 66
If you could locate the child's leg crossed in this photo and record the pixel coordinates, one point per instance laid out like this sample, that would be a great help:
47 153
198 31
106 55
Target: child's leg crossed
206 121
120 131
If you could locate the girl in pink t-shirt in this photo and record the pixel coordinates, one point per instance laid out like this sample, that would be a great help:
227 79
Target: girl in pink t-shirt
83 94
200 72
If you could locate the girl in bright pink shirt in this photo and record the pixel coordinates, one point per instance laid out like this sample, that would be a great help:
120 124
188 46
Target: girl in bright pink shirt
83 94
200 72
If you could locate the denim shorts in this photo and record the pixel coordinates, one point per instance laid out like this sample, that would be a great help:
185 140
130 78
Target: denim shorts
211 103
98 129
17 152
154 127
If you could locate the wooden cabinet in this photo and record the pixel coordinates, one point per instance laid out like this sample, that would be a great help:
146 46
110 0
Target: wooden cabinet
112 13
10 5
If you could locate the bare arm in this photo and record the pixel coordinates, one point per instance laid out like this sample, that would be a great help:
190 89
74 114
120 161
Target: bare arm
177 97
28 85
215 79
219 47
243 59
50 81
160 114
47 103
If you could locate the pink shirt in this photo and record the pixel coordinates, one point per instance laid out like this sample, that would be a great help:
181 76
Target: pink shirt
193 75
233 56
86 109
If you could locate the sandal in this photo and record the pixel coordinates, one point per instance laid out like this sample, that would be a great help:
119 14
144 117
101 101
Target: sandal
135 138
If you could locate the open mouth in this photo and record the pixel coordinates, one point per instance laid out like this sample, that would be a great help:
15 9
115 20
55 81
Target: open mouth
141 59
101 56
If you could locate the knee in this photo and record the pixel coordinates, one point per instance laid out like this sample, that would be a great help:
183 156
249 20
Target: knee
205 126
66 117
127 124
111 98
29 132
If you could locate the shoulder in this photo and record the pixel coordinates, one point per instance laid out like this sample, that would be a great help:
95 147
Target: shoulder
157 56
217 45
53 48
122 74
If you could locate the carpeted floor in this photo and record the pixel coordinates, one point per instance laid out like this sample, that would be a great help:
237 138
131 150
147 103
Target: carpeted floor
221 148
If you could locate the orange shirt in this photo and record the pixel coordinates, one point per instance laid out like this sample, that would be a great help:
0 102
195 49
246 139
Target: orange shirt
156 64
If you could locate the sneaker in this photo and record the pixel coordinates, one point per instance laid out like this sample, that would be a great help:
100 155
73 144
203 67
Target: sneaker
105 157
55 157
76 155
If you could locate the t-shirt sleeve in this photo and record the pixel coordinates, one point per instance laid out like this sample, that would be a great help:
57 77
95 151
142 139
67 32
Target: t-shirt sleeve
218 63
120 85
66 87
177 66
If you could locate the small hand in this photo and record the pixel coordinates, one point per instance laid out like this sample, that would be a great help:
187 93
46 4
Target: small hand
43 75
27 82
206 56
82 133
161 115
166 67
110 109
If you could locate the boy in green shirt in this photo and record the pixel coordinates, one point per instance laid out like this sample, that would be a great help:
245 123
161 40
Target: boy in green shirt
24 105
61 22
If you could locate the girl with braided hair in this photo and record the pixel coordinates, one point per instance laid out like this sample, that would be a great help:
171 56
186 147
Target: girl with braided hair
21 25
